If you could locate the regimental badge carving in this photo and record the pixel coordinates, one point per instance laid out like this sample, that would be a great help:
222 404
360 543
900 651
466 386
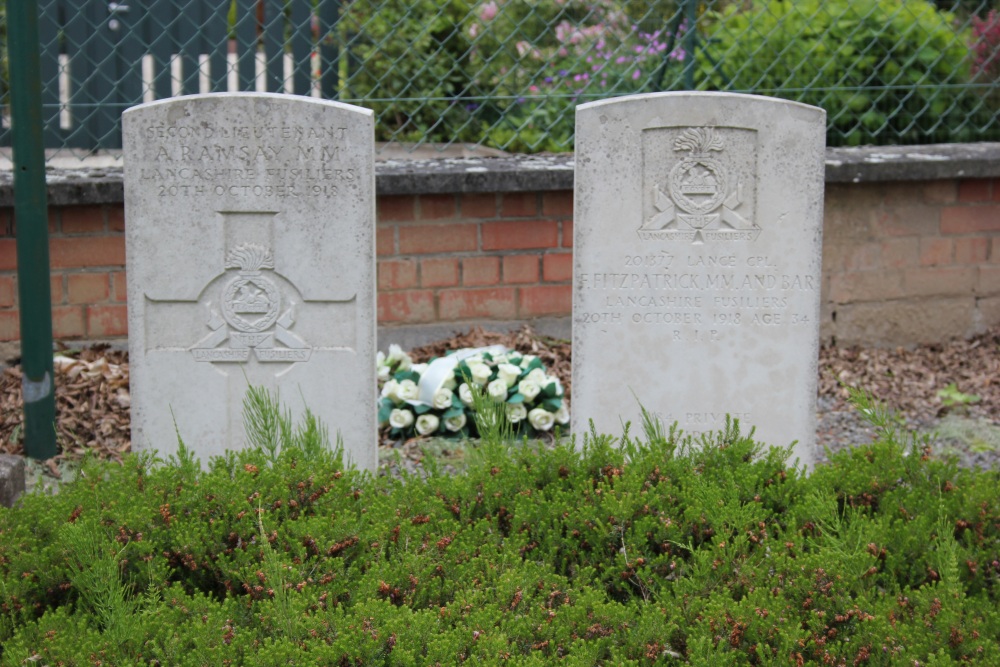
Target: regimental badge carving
250 301
251 306
700 198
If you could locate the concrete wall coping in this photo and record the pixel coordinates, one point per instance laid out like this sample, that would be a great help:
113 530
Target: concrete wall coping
538 173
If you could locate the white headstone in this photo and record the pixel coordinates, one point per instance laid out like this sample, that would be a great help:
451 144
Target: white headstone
250 222
698 230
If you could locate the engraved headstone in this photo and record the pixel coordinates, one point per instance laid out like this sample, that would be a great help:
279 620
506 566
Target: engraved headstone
250 223
698 229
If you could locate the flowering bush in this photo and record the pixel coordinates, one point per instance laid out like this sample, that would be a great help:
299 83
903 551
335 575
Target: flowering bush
440 397
535 62
986 47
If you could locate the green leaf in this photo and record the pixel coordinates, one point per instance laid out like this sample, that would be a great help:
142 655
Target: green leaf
516 398
859 102
535 363
873 120
552 404
928 55
452 412
407 375
549 390
420 408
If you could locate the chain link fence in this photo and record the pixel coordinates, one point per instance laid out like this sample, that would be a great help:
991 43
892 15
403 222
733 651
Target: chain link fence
508 73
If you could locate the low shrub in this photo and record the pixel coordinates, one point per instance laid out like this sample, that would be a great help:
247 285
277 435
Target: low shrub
637 550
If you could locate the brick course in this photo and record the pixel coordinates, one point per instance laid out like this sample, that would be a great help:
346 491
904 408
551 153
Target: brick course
87 288
8 287
520 269
440 272
397 274
479 303
557 267
520 235
890 249
970 219
443 238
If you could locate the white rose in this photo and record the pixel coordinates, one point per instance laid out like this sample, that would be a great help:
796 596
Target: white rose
480 373
383 373
396 354
408 390
538 376
540 418
455 423
528 388
442 398
380 359
391 391
465 394
562 415
427 424
516 412
527 359
509 373
497 390
450 382
514 358
400 418
501 359
419 369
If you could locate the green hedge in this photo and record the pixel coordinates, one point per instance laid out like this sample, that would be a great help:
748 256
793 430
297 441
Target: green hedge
886 71
510 73
622 553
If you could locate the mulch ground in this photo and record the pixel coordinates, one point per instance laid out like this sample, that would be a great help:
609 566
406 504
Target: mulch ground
92 392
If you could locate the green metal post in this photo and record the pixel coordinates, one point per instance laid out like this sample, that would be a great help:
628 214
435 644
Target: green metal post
329 31
690 41
31 215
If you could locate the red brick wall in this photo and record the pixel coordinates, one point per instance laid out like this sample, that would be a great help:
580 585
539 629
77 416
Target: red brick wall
453 258
87 257
902 262
910 262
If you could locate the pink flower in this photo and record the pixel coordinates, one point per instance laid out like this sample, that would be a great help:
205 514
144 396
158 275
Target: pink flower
488 11
636 74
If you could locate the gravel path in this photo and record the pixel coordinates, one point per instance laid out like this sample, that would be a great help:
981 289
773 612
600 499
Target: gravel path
971 437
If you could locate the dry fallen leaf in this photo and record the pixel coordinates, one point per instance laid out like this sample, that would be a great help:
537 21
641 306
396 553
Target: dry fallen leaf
93 400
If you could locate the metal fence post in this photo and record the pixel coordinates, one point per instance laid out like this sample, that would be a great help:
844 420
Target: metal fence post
329 48
690 41
31 214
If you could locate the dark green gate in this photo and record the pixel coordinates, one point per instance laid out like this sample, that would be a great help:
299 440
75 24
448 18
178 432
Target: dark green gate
99 57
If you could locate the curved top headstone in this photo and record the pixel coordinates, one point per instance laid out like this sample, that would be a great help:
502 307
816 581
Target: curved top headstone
698 225
250 246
